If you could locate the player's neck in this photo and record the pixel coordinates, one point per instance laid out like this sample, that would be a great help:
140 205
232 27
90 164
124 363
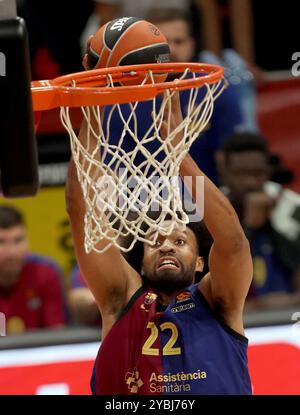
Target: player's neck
165 299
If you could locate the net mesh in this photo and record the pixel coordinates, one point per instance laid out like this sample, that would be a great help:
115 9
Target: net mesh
127 169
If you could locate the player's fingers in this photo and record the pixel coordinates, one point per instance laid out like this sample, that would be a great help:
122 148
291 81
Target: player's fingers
176 107
176 102
88 43
85 58
168 108
164 130
84 62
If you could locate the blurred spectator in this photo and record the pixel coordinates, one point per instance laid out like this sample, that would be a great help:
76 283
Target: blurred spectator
226 117
242 25
83 307
31 295
235 56
230 23
269 216
141 8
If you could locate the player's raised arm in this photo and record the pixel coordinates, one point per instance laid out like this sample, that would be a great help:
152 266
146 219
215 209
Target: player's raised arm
230 263
108 275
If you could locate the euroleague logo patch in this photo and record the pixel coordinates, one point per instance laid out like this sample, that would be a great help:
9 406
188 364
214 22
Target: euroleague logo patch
185 295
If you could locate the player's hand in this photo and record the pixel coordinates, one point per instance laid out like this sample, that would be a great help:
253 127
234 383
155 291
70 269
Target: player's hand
85 58
172 118
258 208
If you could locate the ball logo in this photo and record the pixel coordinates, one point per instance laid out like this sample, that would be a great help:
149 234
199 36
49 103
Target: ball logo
154 30
118 25
162 58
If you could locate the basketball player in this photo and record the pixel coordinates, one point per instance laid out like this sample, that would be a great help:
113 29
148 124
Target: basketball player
163 334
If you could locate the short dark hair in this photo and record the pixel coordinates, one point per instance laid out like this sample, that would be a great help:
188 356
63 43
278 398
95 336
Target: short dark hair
245 141
9 217
164 14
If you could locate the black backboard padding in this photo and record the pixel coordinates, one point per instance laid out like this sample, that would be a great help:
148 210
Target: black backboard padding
18 147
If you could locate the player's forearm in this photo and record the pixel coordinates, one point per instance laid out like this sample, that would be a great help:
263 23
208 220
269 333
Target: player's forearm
211 25
80 198
242 28
74 197
219 215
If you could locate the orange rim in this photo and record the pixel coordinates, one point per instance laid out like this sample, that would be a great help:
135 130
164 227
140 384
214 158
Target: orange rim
89 88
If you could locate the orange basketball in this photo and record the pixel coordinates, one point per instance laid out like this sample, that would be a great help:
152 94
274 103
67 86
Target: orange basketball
128 41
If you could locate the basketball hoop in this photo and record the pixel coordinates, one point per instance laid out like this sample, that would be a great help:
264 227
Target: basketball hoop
121 188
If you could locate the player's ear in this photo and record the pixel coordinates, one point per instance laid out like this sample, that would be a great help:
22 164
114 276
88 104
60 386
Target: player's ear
199 264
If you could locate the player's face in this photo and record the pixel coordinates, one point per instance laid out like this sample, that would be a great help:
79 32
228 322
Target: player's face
169 265
246 172
181 43
13 248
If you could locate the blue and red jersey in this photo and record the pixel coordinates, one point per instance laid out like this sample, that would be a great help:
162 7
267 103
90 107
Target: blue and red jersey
184 349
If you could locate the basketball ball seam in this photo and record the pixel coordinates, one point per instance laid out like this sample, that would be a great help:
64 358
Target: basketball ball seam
103 37
136 50
99 56
104 45
92 51
125 31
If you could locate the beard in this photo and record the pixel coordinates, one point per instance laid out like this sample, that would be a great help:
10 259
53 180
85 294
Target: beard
10 273
170 281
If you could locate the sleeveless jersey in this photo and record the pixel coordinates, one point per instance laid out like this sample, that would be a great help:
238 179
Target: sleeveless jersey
184 349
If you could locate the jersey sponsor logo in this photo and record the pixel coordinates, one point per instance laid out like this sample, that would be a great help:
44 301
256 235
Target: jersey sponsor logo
175 382
183 307
165 383
133 381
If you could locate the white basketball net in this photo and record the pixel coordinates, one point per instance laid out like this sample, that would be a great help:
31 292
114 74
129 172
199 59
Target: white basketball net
121 186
